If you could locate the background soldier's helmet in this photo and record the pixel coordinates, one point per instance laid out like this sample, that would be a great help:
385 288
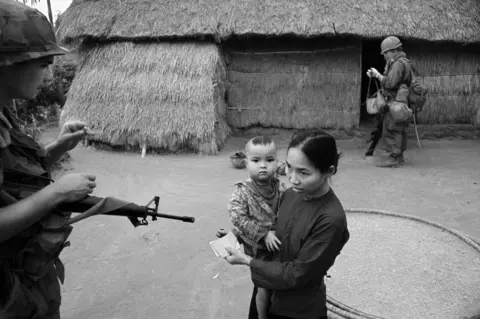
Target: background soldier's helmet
25 34
390 43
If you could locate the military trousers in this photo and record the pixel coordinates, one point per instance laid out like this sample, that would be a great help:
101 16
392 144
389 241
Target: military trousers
32 299
394 135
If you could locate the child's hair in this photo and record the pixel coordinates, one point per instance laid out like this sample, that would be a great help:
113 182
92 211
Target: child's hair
259 140
319 147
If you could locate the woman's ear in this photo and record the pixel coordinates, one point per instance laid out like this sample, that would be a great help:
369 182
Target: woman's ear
332 170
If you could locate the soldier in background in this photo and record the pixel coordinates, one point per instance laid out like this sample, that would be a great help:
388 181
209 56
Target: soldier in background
397 74
32 231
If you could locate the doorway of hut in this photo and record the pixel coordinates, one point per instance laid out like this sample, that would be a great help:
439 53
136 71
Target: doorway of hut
371 58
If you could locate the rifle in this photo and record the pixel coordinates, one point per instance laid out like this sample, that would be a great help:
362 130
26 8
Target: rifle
135 213
92 205
415 126
375 135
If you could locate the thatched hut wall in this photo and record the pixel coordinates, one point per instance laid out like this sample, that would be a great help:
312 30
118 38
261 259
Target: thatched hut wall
452 74
294 84
167 95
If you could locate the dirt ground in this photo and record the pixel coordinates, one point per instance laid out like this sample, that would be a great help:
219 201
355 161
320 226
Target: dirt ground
167 269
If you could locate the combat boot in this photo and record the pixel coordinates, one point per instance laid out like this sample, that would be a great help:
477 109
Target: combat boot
391 162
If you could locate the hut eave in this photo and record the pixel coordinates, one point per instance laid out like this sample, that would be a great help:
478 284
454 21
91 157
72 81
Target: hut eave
439 20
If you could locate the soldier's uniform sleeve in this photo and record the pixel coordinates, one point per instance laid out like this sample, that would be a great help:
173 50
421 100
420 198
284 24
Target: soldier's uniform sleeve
1 169
5 284
5 276
394 77
241 218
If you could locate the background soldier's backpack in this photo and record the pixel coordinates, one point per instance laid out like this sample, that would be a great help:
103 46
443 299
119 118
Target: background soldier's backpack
417 95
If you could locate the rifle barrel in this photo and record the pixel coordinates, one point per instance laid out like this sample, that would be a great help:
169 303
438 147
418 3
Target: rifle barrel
186 219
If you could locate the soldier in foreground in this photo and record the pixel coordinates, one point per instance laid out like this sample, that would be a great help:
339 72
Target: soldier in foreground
32 232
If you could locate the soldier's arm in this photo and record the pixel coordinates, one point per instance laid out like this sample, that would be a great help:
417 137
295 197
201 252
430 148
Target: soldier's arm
392 80
55 151
72 132
18 216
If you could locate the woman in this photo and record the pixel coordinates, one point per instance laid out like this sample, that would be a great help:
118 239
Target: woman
31 231
312 228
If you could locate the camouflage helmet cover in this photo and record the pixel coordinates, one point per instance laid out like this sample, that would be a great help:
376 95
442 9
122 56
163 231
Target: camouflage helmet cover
25 34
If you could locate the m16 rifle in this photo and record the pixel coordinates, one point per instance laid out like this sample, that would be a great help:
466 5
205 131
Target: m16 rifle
137 214
90 205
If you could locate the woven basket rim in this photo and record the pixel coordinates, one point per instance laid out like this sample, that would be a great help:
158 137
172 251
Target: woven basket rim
338 309
468 239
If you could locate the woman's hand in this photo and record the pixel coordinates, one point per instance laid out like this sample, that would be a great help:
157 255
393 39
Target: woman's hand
71 134
237 257
74 187
272 242
373 73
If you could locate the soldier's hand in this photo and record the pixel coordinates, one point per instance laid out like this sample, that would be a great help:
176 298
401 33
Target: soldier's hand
373 73
74 187
72 133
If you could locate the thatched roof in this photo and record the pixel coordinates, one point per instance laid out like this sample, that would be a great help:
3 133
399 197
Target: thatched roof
161 94
436 20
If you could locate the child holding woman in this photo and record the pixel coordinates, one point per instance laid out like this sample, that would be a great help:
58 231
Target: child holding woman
312 228
253 207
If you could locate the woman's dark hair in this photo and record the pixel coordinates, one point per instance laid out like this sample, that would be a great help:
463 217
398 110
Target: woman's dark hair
319 147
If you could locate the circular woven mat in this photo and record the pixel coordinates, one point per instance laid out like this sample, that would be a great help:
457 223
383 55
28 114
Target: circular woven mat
399 266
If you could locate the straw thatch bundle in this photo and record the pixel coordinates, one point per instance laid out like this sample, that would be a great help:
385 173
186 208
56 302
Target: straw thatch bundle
455 20
157 94
305 89
452 75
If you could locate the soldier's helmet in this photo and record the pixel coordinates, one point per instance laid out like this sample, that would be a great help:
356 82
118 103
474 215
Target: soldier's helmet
390 43
25 34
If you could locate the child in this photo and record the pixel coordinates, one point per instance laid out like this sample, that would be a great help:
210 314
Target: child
253 207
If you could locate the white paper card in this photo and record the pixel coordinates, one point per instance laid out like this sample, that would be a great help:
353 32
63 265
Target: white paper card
219 245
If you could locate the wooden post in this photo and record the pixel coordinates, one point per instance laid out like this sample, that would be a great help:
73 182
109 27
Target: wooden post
359 92
144 149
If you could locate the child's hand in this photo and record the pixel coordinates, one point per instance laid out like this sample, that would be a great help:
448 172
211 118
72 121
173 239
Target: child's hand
272 242
221 232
